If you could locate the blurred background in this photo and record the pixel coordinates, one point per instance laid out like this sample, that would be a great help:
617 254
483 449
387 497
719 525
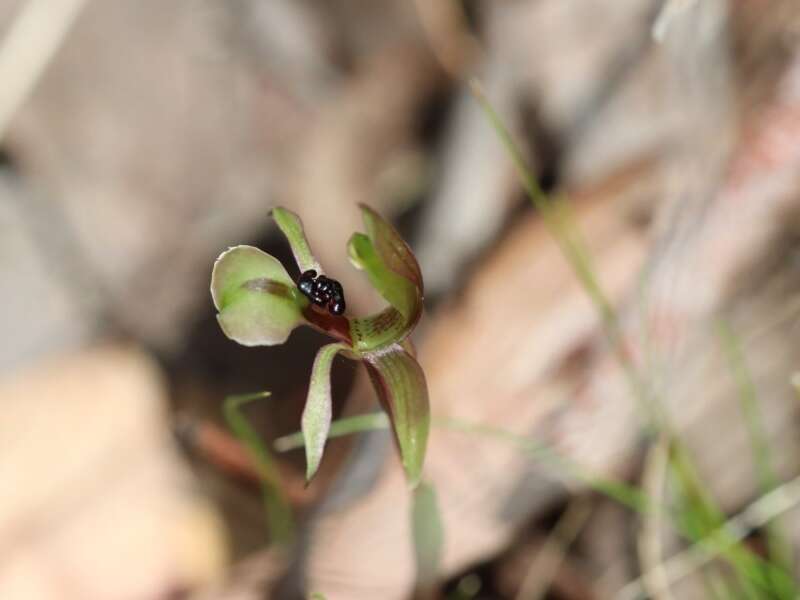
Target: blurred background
139 139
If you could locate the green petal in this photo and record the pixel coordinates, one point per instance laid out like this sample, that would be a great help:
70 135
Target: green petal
400 384
371 334
292 227
316 421
257 301
394 273
396 289
392 249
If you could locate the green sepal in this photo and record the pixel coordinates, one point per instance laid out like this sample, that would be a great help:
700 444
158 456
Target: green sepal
403 392
393 271
257 300
292 227
316 420
391 247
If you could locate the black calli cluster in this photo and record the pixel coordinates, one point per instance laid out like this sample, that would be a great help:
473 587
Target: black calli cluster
322 291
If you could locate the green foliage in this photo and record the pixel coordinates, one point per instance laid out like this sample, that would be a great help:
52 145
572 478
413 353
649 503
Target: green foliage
700 519
780 550
259 304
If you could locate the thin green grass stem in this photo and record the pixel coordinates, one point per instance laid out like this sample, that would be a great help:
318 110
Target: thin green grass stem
707 528
623 493
780 550
567 235
559 220
276 506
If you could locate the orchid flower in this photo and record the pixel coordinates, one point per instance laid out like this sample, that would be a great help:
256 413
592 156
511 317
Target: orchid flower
259 304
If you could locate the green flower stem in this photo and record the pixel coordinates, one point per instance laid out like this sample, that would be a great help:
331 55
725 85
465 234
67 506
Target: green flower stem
428 538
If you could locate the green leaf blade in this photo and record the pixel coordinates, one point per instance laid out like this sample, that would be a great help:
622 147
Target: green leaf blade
257 300
316 420
402 390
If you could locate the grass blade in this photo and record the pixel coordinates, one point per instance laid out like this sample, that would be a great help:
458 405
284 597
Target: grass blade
558 220
276 505
780 550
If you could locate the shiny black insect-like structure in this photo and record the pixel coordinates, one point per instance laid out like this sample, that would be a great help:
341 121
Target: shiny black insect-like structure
322 291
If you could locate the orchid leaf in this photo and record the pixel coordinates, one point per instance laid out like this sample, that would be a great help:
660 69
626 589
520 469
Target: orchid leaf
400 384
257 300
292 227
316 421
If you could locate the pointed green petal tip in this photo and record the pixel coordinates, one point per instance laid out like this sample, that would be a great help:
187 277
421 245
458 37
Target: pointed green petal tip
391 247
400 384
316 420
292 227
393 271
